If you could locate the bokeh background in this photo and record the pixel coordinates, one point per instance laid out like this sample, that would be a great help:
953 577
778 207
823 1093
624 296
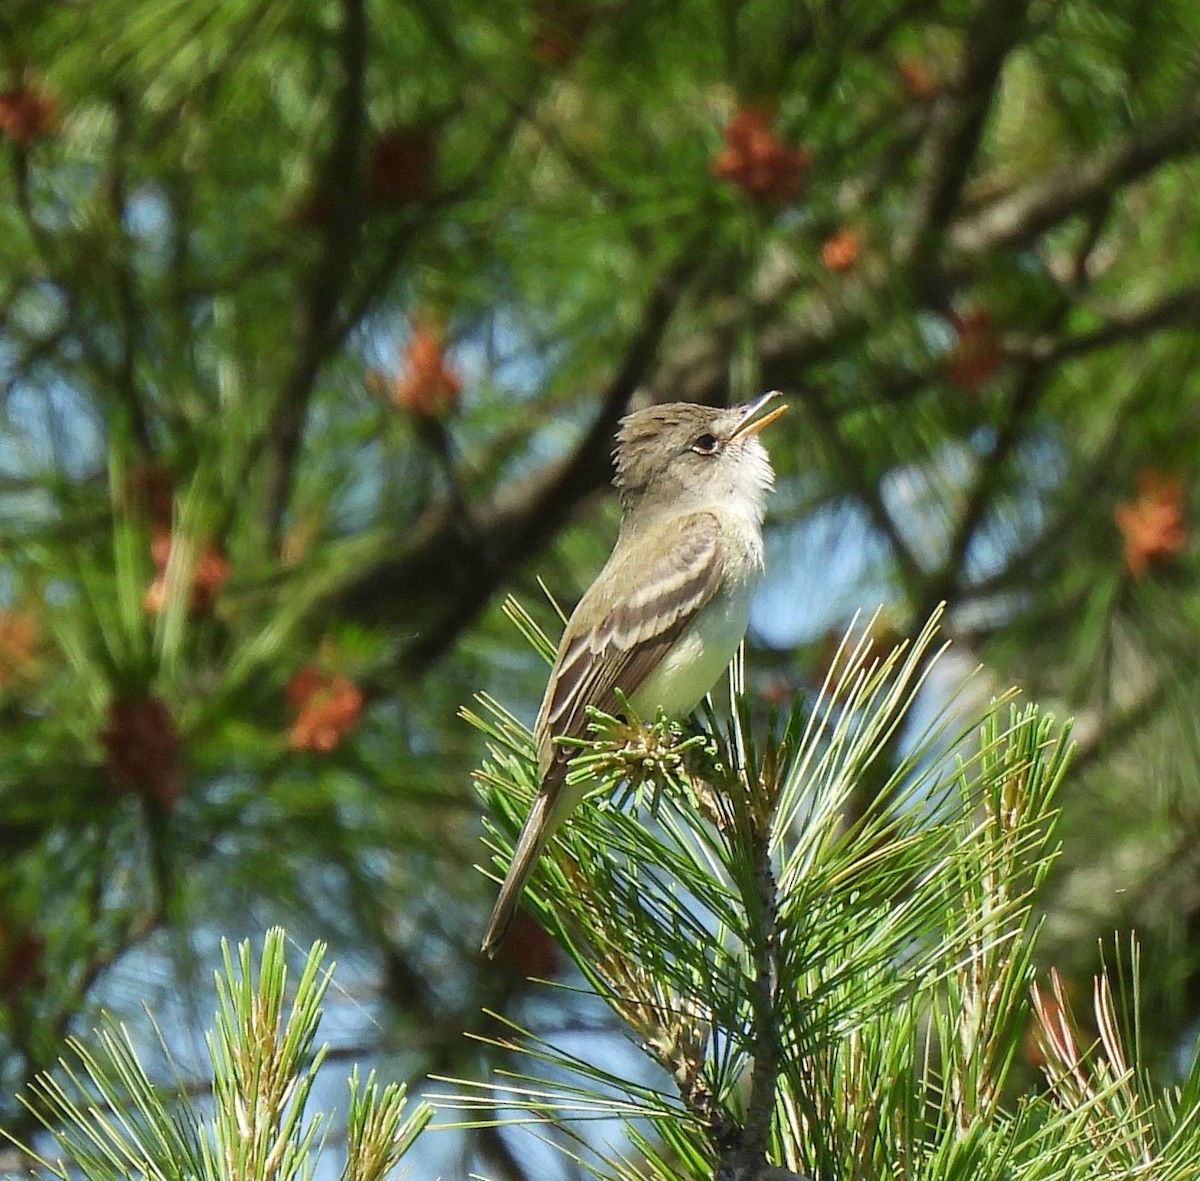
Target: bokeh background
316 320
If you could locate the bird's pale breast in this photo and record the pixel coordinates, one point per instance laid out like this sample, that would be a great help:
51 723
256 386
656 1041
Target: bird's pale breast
695 662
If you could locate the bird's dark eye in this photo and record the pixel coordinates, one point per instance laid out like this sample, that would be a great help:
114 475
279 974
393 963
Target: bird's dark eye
705 444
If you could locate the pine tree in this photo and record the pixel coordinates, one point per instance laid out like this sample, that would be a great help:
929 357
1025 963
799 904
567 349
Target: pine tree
315 324
823 998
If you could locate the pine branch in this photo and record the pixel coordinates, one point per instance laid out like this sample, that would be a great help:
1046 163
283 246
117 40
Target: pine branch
316 318
112 1120
743 1151
857 475
130 313
833 318
520 517
1031 210
780 985
1178 309
957 127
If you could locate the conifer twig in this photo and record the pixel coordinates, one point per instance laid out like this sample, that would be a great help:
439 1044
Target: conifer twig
744 1154
743 1151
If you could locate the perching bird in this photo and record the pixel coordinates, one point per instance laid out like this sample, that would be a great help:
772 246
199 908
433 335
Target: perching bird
665 616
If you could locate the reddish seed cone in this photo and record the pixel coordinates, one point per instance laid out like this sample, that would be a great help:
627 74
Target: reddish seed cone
1152 524
26 112
212 569
21 961
402 166
560 30
311 210
19 634
918 80
327 707
399 169
149 494
143 753
209 575
756 162
427 386
840 252
976 357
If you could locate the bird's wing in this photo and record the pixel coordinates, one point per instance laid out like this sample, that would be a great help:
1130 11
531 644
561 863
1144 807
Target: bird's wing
652 599
641 604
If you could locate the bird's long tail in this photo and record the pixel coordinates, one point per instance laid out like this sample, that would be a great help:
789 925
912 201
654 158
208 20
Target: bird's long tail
550 807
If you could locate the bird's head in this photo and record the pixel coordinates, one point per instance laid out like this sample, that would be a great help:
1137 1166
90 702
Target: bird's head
681 457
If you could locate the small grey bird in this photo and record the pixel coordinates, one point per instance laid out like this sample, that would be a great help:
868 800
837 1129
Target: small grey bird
665 616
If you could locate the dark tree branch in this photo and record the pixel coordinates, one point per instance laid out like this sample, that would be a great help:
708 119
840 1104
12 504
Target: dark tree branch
950 581
124 279
834 319
35 353
446 565
41 240
1019 217
392 253
743 1150
945 585
838 317
316 316
744 1153
18 283
66 274
1084 489
879 169
960 116
179 285
857 477
1180 309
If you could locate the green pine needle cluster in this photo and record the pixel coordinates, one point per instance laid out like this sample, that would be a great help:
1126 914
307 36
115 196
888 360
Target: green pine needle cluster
832 990
112 1121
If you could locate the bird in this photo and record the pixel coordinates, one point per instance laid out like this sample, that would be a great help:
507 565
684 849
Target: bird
666 614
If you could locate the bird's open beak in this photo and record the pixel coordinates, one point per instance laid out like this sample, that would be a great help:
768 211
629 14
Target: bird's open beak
750 425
